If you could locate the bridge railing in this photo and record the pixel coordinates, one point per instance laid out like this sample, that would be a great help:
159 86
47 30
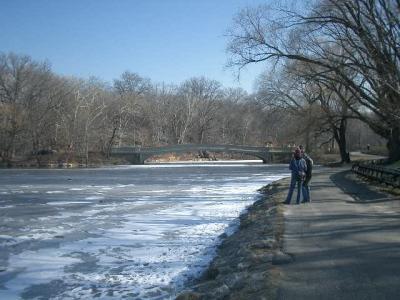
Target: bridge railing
375 171
123 150
189 147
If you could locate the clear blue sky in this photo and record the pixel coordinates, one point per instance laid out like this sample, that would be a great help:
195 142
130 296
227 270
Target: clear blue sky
165 40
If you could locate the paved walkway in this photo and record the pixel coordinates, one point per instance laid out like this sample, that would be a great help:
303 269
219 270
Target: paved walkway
345 244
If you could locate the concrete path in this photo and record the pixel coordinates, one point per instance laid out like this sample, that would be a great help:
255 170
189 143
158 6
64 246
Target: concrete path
345 244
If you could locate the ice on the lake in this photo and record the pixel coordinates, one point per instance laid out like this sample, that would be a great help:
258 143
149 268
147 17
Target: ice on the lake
143 240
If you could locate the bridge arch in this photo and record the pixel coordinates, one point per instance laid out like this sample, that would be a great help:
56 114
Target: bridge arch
138 155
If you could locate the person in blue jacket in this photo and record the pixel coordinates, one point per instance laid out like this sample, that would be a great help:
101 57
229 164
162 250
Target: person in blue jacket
298 167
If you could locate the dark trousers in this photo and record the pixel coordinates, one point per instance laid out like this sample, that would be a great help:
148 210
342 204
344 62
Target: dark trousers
306 189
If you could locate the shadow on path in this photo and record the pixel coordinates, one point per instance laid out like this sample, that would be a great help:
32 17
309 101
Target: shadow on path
358 190
341 249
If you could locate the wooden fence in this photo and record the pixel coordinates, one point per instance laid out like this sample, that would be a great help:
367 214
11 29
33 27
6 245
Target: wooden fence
375 171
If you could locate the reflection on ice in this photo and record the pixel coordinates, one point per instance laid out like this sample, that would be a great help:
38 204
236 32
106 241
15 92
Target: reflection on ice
94 198
61 203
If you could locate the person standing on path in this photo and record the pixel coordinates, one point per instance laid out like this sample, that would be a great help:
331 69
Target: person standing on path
298 167
306 183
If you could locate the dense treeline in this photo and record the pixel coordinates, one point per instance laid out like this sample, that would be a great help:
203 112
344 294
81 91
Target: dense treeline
41 112
338 61
335 73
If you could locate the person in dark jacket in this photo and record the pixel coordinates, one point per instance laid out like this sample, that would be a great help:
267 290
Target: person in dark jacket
306 183
298 167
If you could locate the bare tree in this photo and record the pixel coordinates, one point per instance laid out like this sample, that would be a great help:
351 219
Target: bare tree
303 96
207 95
354 43
131 89
27 95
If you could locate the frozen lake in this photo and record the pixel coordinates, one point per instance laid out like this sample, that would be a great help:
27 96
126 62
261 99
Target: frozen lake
135 232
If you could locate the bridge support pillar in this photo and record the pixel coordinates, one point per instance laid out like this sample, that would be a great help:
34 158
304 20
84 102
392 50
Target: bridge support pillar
266 157
136 159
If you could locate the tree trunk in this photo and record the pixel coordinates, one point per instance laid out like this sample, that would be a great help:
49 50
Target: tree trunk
201 136
393 145
111 142
307 140
86 152
339 134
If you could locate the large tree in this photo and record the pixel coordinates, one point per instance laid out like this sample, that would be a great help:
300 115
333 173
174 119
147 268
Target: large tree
28 93
351 43
131 89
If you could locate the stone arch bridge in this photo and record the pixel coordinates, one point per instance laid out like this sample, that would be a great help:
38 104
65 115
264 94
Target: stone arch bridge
138 155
